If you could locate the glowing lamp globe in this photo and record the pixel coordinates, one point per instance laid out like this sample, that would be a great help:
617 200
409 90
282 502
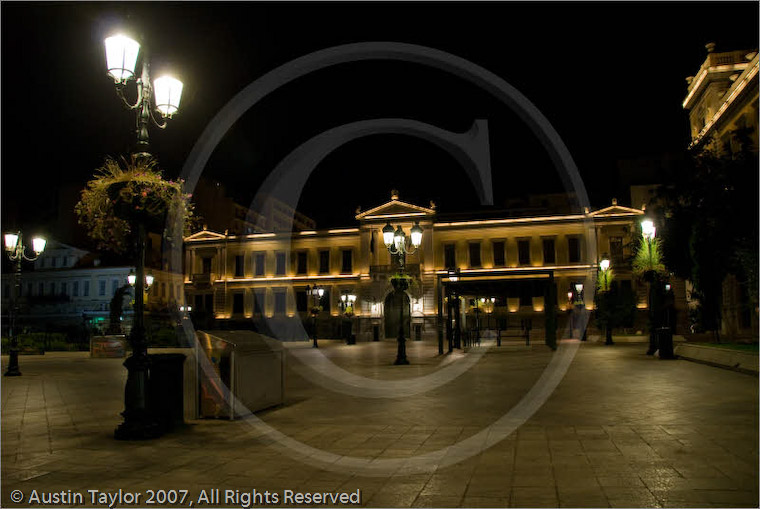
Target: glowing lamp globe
167 91
388 235
38 244
399 237
121 57
647 229
11 240
416 235
604 264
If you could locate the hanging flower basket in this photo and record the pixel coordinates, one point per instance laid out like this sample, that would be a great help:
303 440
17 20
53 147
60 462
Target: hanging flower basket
132 192
400 282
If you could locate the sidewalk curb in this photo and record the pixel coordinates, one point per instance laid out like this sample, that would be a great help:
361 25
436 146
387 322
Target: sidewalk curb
720 357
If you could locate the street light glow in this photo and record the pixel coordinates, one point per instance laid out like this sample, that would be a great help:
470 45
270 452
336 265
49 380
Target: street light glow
11 240
121 57
648 229
38 244
168 92
604 264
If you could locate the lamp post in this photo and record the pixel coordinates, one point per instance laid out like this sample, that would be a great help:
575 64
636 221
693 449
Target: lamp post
395 241
161 96
316 293
648 231
348 301
579 306
604 288
14 246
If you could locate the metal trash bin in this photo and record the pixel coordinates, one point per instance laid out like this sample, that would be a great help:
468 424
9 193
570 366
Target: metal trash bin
664 337
247 373
165 389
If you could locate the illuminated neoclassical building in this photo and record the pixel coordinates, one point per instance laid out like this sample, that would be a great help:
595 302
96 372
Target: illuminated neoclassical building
723 97
264 277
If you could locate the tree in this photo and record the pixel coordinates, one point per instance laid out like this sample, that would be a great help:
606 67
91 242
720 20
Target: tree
710 221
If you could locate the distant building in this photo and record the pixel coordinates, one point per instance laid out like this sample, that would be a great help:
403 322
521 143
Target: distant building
511 258
69 285
220 212
723 97
722 100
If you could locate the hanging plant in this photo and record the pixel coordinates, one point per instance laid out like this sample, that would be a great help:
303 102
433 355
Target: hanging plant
124 193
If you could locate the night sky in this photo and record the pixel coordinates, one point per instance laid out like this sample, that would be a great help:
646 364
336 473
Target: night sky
610 77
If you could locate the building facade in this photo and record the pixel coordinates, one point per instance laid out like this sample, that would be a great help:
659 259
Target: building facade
69 285
722 100
264 277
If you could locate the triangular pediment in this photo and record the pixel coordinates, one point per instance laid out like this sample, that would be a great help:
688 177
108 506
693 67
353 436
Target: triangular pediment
205 235
615 210
395 208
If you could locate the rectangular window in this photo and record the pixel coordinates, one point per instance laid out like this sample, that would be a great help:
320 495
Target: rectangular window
324 301
549 255
523 252
258 302
526 294
347 265
260 261
41 289
86 289
574 249
52 288
475 254
324 262
171 291
498 254
279 302
75 289
616 251
54 261
114 286
64 288
302 301
279 264
449 256
163 290
198 303
301 262
207 265
237 303
29 289
65 261
102 288
239 269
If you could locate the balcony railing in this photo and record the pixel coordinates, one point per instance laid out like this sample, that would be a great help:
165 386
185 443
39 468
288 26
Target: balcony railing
200 280
413 269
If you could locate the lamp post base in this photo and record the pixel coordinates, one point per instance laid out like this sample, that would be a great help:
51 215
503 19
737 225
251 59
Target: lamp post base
138 423
401 354
13 364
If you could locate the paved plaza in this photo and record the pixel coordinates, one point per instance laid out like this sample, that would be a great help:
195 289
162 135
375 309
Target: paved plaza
621 430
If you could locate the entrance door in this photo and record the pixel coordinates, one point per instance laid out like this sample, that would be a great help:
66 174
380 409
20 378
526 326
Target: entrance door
394 304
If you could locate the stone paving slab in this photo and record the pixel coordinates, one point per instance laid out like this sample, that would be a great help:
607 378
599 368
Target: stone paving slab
621 430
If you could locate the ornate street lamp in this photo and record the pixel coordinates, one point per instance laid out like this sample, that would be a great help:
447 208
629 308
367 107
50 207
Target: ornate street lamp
316 293
605 277
160 98
121 61
579 306
347 303
14 246
395 241
648 233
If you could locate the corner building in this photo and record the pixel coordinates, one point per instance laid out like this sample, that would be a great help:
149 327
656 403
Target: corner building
238 280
